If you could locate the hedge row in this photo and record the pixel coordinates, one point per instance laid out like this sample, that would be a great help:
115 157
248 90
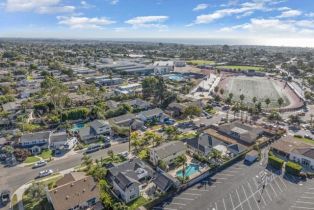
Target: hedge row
275 162
293 168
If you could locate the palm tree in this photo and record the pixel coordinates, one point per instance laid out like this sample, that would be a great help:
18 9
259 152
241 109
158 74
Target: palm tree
87 161
181 160
110 153
267 102
280 102
119 206
242 99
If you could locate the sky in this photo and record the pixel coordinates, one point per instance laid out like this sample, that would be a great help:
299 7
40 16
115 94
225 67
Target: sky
265 22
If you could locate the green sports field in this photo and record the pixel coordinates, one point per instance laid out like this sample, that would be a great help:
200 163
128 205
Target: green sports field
242 68
259 87
200 62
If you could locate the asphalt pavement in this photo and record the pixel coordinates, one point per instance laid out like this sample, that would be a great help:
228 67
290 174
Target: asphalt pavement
13 177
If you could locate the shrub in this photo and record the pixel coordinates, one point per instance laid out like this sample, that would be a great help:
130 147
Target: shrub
298 136
275 162
293 168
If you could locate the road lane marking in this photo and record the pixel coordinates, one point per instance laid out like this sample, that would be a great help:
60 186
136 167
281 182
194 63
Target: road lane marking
199 190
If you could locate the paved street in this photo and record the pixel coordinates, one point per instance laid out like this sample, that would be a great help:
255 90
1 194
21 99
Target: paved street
12 178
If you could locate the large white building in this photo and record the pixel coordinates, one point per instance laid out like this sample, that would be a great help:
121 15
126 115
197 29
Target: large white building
163 67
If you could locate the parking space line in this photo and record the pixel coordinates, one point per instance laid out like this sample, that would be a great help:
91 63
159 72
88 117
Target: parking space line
306 202
300 207
310 188
225 174
220 178
216 206
309 193
246 197
180 204
239 199
163 208
189 199
277 185
223 200
190 193
255 182
273 190
283 182
259 192
304 197
199 190
252 194
268 195
231 201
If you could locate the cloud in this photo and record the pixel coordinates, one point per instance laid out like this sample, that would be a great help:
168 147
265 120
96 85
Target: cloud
311 14
84 22
290 13
114 2
274 27
147 21
86 5
38 6
248 7
200 7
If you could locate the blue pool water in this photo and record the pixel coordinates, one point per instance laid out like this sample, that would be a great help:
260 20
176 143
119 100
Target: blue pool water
189 170
176 77
77 126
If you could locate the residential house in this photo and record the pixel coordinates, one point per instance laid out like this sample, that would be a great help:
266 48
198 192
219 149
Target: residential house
90 133
242 133
74 191
152 115
204 144
61 140
138 104
35 142
123 120
128 178
167 152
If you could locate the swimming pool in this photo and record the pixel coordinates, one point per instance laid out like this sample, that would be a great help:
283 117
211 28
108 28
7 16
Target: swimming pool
189 170
77 126
176 77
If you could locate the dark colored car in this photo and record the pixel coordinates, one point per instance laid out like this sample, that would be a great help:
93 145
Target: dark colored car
5 197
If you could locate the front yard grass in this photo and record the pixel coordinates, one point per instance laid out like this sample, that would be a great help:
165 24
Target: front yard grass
31 159
46 154
137 203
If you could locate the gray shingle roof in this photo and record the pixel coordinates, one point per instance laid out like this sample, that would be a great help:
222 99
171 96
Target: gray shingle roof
57 137
169 148
33 136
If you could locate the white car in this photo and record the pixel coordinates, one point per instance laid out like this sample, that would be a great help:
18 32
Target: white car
40 163
45 173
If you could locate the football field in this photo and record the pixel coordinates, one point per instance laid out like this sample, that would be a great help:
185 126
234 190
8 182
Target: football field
260 87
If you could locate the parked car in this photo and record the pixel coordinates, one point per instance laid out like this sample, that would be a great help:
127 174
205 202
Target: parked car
5 197
124 154
40 163
45 173
93 148
107 144
308 137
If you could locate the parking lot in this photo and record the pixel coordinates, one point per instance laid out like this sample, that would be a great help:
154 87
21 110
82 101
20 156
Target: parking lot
242 187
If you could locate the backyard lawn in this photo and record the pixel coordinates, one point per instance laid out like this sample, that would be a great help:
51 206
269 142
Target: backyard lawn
242 68
137 203
31 159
